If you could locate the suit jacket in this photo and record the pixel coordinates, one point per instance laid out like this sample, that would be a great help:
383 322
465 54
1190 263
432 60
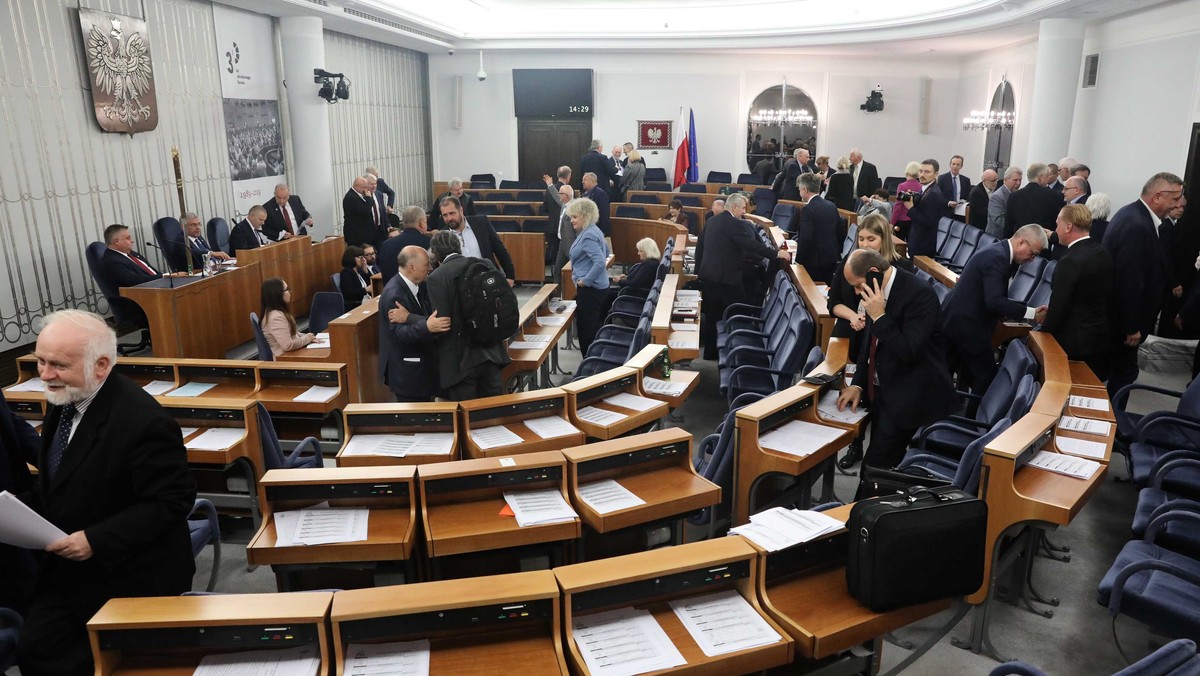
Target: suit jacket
552 209
728 239
124 481
407 354
602 166
1079 297
359 225
640 276
910 360
818 242
925 214
391 247
868 179
1033 203
123 272
275 223
946 183
601 199
350 283
979 300
841 191
19 445
491 247
997 208
791 171
978 201
242 237
457 355
197 251
384 189
1140 277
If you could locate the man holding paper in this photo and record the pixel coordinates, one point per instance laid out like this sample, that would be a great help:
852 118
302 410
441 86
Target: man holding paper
19 444
113 475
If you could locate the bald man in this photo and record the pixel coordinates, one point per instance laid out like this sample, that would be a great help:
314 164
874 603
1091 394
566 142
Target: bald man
360 215
407 354
980 194
113 475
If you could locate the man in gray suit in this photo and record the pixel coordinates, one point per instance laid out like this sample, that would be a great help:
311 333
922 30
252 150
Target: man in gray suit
566 236
998 202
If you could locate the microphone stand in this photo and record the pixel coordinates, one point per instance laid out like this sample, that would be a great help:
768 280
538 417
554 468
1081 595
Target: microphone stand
171 277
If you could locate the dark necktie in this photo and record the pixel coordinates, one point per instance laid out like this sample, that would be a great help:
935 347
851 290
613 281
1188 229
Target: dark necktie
375 211
287 219
423 299
201 245
872 376
141 264
62 436
262 239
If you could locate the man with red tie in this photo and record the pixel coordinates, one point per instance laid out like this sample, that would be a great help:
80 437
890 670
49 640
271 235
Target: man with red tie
121 264
286 215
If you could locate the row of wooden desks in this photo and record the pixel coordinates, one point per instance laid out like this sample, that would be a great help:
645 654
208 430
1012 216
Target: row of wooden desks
542 323
676 321
353 341
627 232
815 297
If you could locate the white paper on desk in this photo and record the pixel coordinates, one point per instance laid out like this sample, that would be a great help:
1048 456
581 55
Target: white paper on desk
693 303
663 387
683 344
188 431
632 401
217 439
535 338
1079 468
432 443
31 385
1085 425
525 345
599 416
395 445
191 390
687 293
494 437
1088 449
534 508
1092 403
156 387
298 661
724 622
321 526
678 326
318 345
799 437
550 427
317 394
558 306
623 642
608 496
828 409
406 658
20 526
551 320
779 528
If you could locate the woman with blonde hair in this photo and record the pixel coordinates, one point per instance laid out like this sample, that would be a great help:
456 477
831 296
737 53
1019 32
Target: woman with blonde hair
901 223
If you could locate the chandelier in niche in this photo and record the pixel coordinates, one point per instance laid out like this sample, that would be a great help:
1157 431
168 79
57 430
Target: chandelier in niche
796 118
983 120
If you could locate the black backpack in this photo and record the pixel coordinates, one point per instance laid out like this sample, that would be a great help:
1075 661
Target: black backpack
489 306
777 184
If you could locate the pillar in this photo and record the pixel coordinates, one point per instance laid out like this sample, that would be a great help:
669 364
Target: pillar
303 42
1055 84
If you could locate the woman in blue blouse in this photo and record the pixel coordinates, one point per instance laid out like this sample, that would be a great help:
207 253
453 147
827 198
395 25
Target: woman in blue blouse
588 254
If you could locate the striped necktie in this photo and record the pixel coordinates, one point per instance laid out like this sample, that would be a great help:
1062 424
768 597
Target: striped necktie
62 436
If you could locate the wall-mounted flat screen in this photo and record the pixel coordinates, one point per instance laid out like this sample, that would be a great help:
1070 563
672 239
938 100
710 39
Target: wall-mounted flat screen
557 92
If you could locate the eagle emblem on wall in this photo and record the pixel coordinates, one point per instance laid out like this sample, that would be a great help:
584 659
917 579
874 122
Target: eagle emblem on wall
654 135
117 52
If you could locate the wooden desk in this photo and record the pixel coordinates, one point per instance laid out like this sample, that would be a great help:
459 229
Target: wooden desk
305 265
31 402
594 390
816 301
279 383
627 232
528 251
683 345
167 636
650 362
461 503
241 461
353 341
486 625
200 317
940 273
232 379
664 198
650 580
568 282
509 411
398 419
528 367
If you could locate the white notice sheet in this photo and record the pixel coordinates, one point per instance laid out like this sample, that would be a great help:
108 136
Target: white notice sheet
608 496
632 401
524 345
1085 425
157 387
778 528
665 388
683 344
829 410
551 320
599 416
624 642
298 661
400 445
1079 468
217 439
408 658
188 431
1093 403
798 437
687 293
723 623
677 326
1088 449
321 340
191 390
494 437
321 526
317 394
22 527
550 427
535 338
31 385
535 508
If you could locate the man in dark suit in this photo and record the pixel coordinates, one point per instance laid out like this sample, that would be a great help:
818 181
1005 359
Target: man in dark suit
595 192
726 238
998 202
457 191
978 200
383 188
191 241
922 236
360 211
1132 241
286 215
1177 269
792 169
901 367
1062 171
121 265
864 174
815 229
249 233
1077 315
552 204
407 353
113 475
1033 203
602 167
955 188
19 444
477 238
564 237
415 233
979 300
466 370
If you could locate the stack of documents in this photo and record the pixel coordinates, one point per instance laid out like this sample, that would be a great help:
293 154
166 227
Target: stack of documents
624 641
408 658
779 528
400 445
551 320
299 661
31 385
1085 425
829 410
1088 449
687 293
663 387
157 387
683 344
191 390
678 326
608 496
317 394
550 427
524 345
798 437
632 401
321 525
1092 403
321 341
217 439
599 416
494 437
1079 468
536 508
724 622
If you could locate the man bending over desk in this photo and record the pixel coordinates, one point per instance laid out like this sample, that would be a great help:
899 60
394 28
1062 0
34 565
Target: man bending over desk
114 477
408 356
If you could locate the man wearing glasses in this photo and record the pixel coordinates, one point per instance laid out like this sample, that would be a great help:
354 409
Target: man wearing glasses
1132 240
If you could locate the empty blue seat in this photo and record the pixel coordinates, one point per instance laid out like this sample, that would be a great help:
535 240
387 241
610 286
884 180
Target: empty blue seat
656 174
1026 280
689 200
487 208
643 198
487 181
629 211
764 201
694 188
657 186
719 177
518 209
782 216
203 531
749 179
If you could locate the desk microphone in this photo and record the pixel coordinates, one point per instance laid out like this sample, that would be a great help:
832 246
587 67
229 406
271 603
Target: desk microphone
170 277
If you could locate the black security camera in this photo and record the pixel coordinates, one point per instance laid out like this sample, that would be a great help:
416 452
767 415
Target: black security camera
329 91
874 102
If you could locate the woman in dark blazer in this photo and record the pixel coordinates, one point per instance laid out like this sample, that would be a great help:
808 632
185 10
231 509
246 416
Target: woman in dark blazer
354 281
840 188
640 275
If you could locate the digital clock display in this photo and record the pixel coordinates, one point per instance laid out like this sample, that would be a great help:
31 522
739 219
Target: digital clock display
553 92
579 109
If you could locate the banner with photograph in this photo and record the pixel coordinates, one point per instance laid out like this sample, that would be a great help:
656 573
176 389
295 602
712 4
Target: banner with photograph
253 129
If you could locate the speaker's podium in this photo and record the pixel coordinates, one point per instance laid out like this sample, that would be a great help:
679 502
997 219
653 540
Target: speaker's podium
169 635
500 624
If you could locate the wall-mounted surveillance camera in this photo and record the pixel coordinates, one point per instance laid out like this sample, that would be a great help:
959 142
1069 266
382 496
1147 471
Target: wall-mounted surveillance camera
481 75
450 51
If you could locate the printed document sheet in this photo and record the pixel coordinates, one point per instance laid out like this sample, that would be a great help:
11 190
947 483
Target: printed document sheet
191 390
1085 425
407 658
632 401
317 394
31 385
723 623
1093 403
1088 449
494 437
217 439
157 387
550 427
799 437
535 508
400 445
624 642
678 326
829 410
551 320
599 416
321 526
663 387
1079 468
608 496
779 528
22 527
299 661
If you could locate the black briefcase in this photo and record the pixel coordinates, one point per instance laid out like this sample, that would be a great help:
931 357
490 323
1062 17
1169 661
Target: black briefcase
916 546
880 482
